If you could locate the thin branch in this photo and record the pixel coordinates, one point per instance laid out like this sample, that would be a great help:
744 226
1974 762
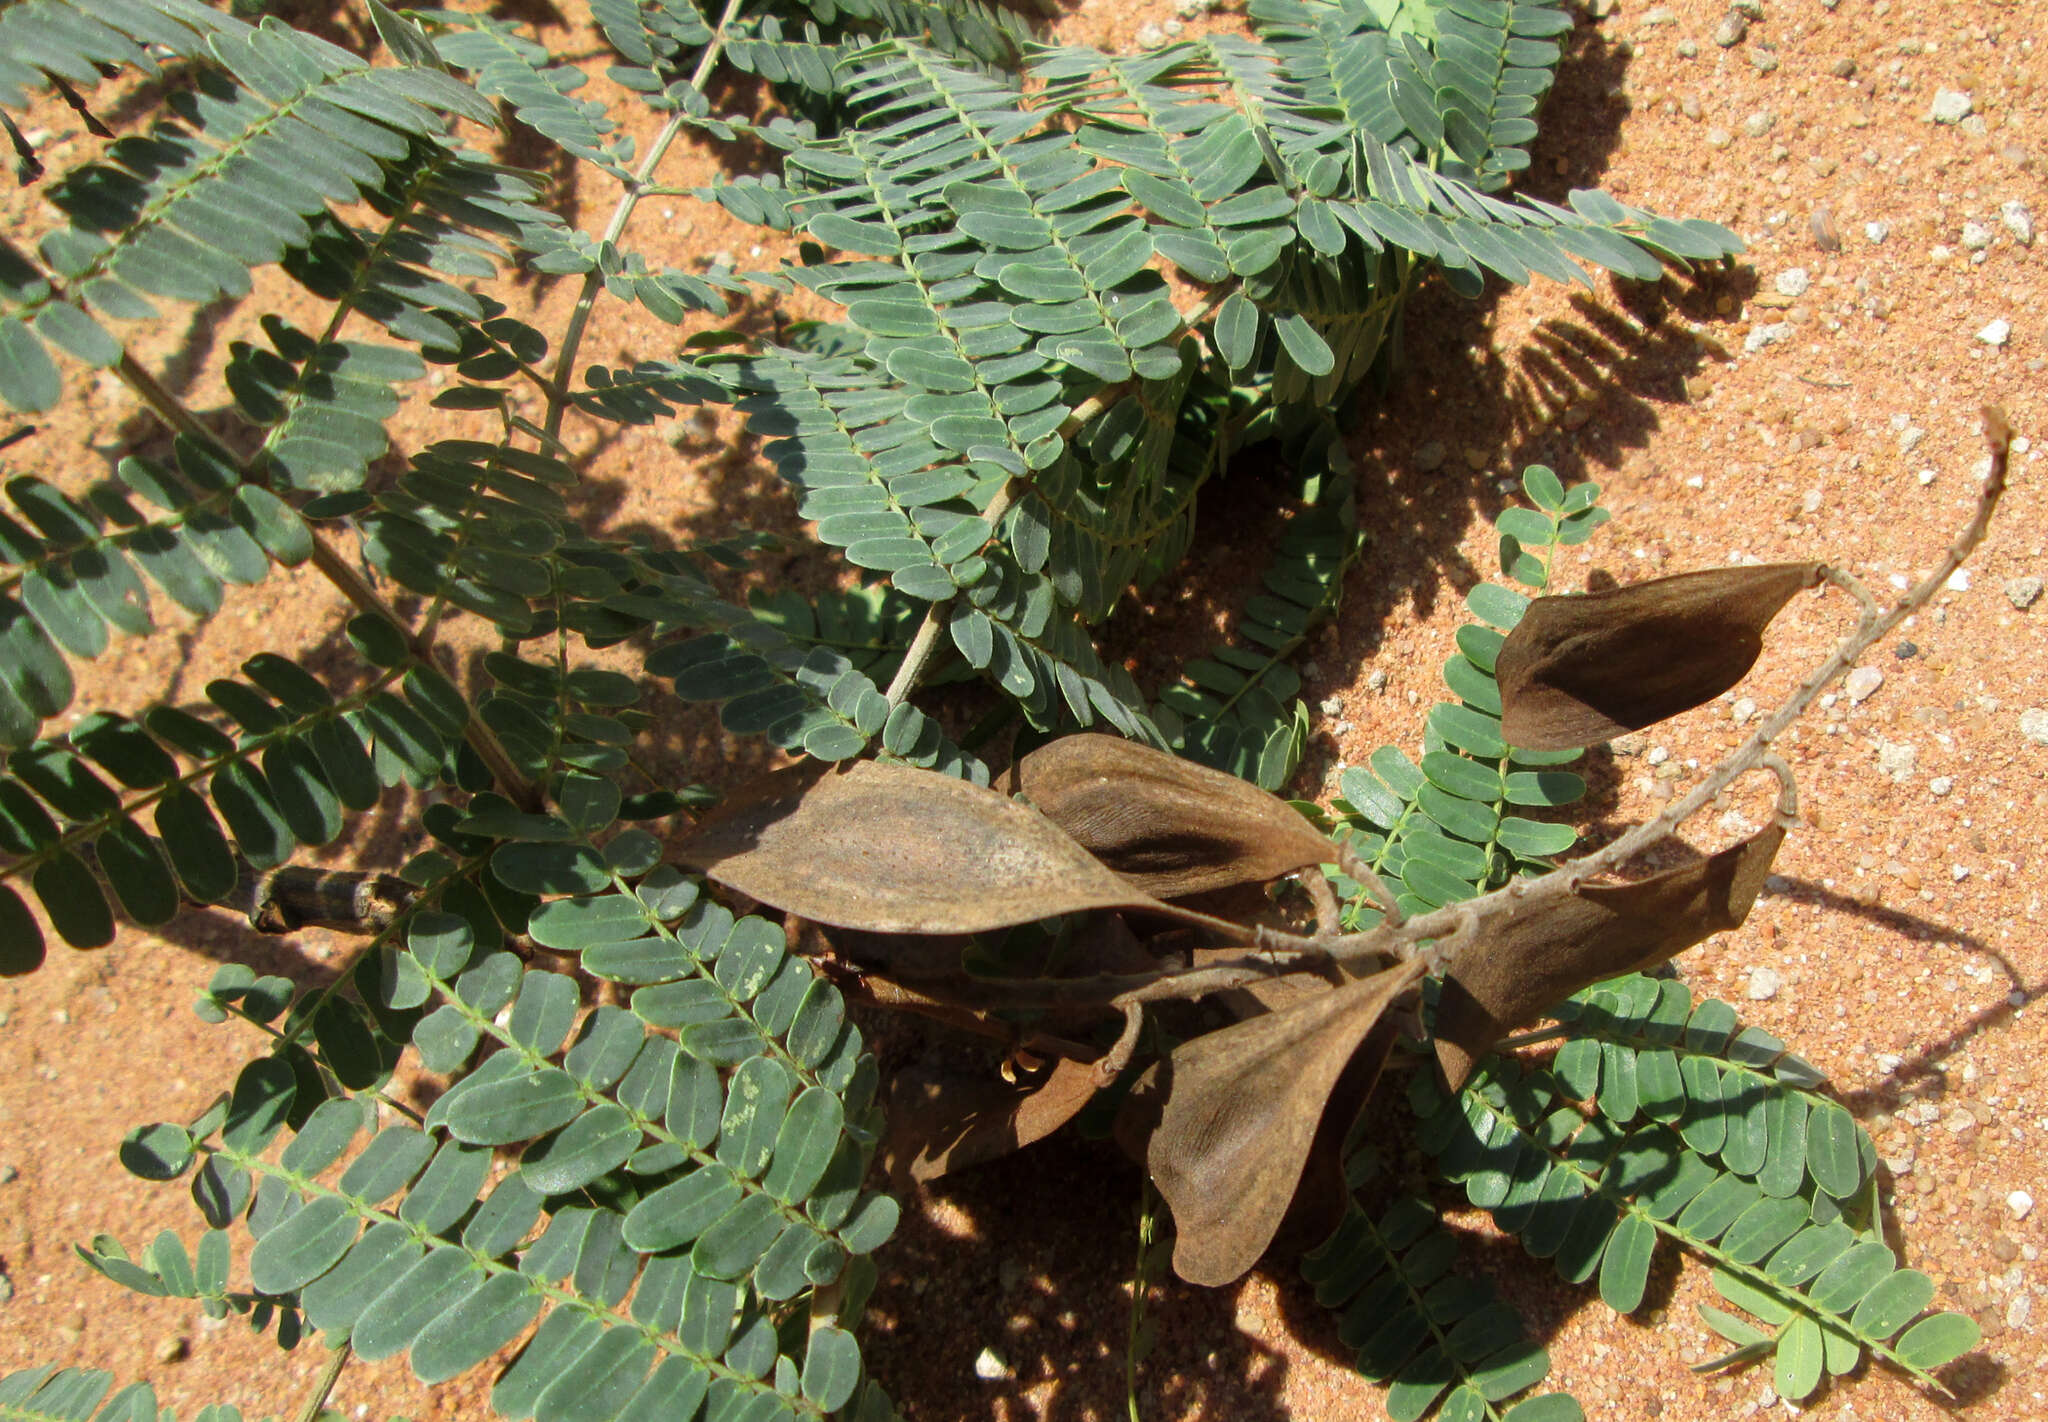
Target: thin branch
324 1384
622 213
1439 936
917 657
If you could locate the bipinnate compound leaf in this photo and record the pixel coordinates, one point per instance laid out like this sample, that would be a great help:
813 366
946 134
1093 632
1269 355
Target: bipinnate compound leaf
1543 953
1581 669
940 1123
890 849
1168 825
1237 1112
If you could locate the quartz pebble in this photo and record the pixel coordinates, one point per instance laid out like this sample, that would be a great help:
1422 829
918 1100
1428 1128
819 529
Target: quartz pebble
1941 785
2034 725
1770 335
1764 984
2018 221
1997 333
1875 232
989 1367
1950 106
2019 1202
1731 31
1793 281
1976 236
2023 593
1863 683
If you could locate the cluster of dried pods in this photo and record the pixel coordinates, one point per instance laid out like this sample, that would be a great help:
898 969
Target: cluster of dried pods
1241 1125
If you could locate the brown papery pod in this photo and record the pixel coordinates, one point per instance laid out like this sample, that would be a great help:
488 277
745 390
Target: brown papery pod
1535 957
1238 1111
942 1123
892 849
1168 825
1587 668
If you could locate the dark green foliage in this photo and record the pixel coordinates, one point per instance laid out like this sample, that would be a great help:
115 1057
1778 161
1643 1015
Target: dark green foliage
1708 1134
1004 432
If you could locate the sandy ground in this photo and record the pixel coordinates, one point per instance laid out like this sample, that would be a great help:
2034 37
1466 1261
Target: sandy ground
1818 401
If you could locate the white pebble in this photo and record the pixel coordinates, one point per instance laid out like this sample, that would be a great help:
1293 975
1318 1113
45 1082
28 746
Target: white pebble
1976 236
2019 222
1997 333
1658 755
1941 785
1950 106
1959 580
1742 710
990 1368
1926 477
2034 725
1793 281
1764 984
1863 683
2019 1202
1958 872
1769 335
1896 759
1875 232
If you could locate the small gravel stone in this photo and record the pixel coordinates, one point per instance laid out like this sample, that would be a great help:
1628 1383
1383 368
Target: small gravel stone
1793 281
1719 138
1876 232
2019 1202
1862 683
2023 593
1430 456
1769 335
1976 236
1896 759
1150 36
1764 984
2019 222
990 1368
1941 785
1376 682
8 1175
1763 61
1760 123
2034 725
1906 651
1844 68
1997 333
174 1349
1687 49
1950 106
1732 30
1743 710
1662 15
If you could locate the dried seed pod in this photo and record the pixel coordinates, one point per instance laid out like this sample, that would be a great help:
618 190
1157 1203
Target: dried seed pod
1238 1111
942 1123
1168 825
1581 669
892 849
1525 961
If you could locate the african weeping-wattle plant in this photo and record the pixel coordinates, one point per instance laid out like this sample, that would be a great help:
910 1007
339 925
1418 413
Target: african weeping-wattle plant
1068 286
